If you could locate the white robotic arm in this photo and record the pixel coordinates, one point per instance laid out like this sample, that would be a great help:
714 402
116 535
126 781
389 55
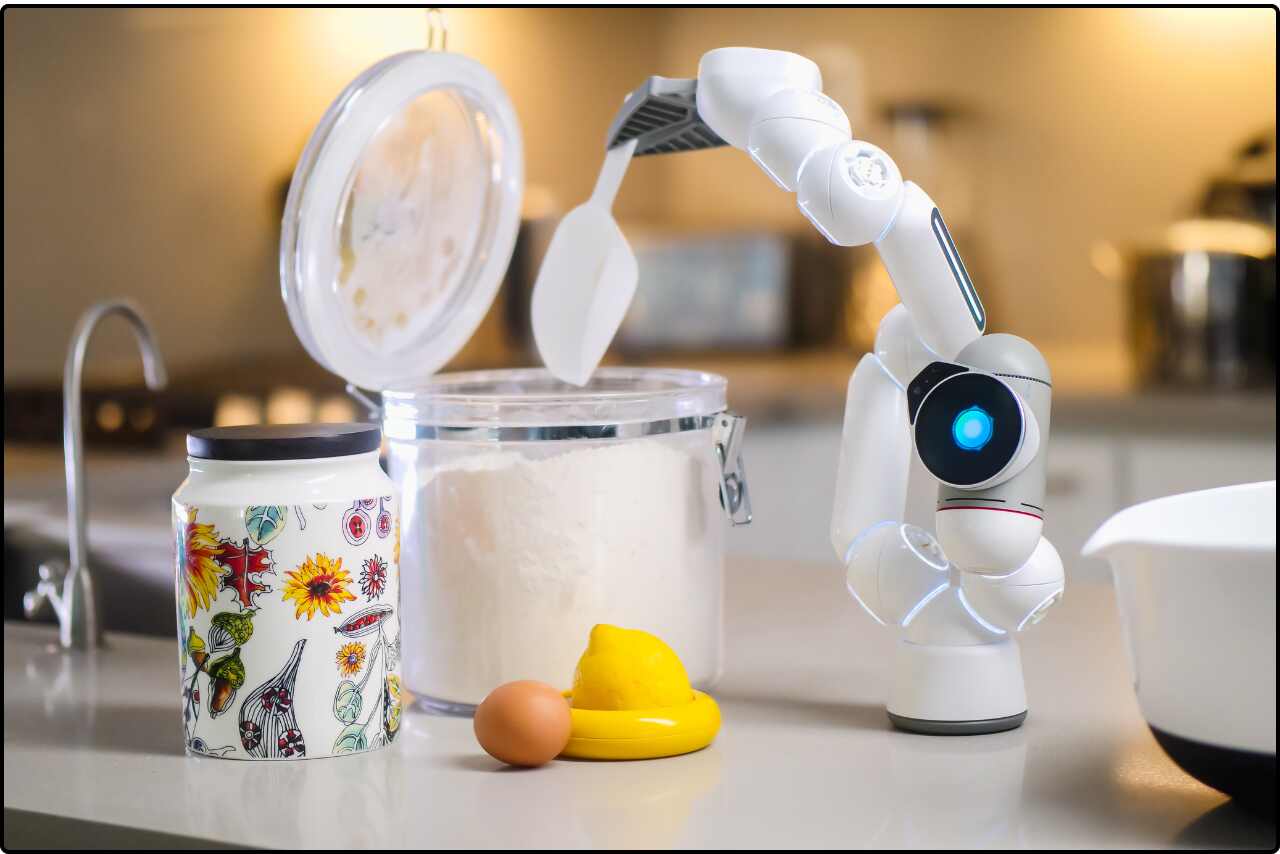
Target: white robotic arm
973 409
937 400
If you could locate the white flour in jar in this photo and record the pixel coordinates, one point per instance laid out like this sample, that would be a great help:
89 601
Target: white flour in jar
510 560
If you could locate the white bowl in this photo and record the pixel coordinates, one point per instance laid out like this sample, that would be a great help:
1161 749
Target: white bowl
1195 579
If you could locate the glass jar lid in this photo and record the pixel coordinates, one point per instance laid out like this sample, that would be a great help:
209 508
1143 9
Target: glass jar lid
401 218
529 404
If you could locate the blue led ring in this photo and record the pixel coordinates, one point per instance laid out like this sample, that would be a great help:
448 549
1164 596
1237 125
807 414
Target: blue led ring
972 429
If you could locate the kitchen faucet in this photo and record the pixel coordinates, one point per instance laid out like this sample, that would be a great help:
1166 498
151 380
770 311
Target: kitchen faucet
71 588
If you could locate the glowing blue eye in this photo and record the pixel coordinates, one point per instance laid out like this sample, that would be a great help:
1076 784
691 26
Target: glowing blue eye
972 429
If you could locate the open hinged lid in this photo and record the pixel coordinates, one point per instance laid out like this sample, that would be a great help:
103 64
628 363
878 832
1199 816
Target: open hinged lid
401 218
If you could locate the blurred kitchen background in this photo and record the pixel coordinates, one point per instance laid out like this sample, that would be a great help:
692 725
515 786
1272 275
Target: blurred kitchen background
1109 175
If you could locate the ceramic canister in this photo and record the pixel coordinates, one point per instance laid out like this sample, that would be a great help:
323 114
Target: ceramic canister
288 592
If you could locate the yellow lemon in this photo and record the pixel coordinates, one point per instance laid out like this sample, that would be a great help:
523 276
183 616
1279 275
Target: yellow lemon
628 669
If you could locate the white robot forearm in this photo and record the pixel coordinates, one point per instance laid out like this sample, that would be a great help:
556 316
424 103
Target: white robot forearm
875 405
849 189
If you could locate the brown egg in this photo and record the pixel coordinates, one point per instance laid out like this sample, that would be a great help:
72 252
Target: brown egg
523 723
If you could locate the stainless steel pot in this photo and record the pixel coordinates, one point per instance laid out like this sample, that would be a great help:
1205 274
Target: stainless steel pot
1202 306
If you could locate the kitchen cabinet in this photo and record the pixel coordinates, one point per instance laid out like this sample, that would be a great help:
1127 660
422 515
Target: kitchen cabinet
1081 491
1092 475
791 472
1157 466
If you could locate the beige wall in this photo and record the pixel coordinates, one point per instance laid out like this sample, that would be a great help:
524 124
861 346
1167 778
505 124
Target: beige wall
145 151
144 157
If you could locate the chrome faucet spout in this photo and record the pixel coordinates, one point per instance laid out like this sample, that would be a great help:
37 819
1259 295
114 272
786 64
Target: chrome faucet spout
72 590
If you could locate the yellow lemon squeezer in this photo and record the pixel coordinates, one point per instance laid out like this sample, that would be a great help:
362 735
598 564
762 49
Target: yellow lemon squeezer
631 699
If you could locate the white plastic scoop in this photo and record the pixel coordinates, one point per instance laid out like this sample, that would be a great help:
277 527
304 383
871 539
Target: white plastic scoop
587 280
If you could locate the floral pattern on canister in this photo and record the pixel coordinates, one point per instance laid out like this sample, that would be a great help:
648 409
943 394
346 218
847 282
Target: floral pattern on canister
351 658
198 567
289 630
373 578
380 724
318 584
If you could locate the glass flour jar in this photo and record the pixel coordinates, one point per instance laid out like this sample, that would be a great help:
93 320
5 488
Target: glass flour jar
534 510
287 584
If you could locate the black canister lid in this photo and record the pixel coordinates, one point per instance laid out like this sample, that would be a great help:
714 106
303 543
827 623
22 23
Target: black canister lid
283 441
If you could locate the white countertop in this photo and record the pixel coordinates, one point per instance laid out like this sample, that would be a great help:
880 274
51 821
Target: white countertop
806 757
